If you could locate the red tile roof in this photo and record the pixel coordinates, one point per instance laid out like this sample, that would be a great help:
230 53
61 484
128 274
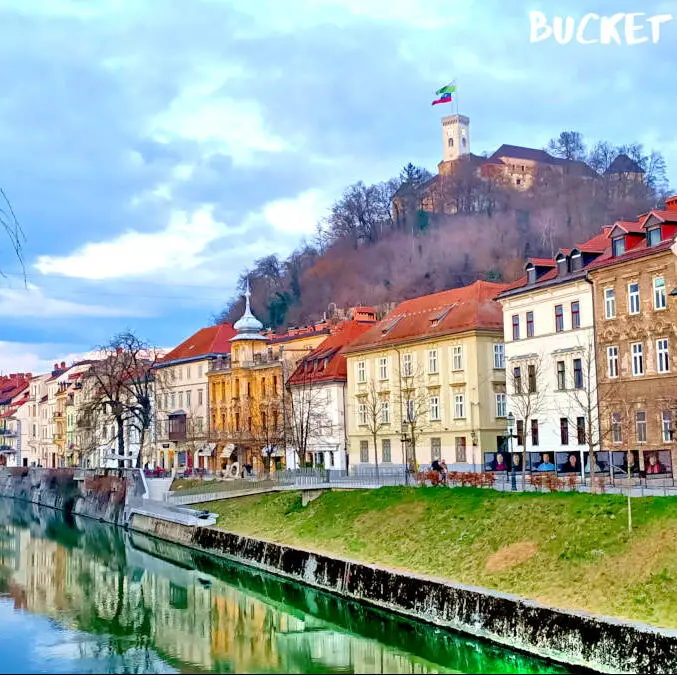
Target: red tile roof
453 311
210 340
597 244
639 251
542 262
332 348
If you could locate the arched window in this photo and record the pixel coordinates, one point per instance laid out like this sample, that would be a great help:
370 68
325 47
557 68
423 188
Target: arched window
463 142
451 142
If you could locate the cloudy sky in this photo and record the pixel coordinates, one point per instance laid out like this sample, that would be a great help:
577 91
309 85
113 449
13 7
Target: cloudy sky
154 148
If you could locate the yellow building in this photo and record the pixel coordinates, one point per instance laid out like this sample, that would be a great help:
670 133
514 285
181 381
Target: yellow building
246 391
428 381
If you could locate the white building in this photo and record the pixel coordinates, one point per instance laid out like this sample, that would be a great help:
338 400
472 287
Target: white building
550 359
318 392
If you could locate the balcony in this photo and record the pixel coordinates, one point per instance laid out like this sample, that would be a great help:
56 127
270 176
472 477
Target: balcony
8 433
57 415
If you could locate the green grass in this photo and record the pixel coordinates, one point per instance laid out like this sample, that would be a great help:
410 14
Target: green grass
567 549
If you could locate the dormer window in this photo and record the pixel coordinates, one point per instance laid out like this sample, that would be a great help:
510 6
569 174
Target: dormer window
576 261
531 275
618 246
562 267
653 236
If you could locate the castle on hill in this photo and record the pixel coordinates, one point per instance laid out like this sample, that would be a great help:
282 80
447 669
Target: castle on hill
513 166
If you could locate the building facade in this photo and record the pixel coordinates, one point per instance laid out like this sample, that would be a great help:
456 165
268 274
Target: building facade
548 325
636 319
428 381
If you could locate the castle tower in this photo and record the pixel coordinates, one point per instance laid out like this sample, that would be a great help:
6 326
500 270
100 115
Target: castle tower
455 137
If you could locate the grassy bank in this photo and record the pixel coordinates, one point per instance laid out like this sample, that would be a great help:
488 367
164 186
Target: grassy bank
567 549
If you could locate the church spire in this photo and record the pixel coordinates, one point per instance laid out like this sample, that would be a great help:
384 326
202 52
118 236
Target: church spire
248 327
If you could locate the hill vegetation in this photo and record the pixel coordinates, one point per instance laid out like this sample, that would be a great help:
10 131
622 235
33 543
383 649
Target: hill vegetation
363 254
569 550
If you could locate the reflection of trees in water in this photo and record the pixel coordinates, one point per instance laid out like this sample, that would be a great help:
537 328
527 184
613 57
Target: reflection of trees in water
138 603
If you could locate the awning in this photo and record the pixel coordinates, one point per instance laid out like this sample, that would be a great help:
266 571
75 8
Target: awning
207 450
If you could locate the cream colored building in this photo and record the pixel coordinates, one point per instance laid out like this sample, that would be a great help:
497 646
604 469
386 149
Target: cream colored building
430 380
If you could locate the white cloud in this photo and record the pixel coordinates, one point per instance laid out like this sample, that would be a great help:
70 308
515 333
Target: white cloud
31 301
26 357
176 249
297 215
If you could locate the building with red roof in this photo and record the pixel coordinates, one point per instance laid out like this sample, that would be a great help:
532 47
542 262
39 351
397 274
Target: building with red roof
318 397
428 381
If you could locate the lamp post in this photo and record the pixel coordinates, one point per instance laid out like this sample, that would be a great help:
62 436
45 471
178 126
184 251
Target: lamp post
404 439
510 436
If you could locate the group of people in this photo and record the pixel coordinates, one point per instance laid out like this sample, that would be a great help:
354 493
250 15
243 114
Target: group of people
440 466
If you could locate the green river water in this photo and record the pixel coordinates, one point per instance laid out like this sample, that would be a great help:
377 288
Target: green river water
84 597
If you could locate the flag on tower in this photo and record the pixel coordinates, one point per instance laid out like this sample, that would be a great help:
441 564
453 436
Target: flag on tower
449 89
445 98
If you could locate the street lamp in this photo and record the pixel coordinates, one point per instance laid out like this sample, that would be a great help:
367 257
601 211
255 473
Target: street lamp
404 439
510 436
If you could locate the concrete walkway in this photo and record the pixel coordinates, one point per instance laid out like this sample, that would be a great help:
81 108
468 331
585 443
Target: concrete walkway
169 512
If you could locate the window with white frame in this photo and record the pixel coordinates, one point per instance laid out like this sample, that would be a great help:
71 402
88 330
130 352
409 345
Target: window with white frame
383 368
361 371
610 303
385 450
659 296
457 357
499 355
662 356
385 411
638 358
501 405
180 399
434 407
616 433
640 427
407 365
364 452
173 401
199 396
666 425
199 370
633 298
459 405
410 411
612 361
362 414
432 361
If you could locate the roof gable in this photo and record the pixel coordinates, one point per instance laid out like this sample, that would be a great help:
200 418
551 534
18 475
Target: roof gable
623 164
206 341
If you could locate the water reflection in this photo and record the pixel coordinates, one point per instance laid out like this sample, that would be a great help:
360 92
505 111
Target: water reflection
122 602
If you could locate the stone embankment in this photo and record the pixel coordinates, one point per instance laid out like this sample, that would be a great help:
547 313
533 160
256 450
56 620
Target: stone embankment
102 494
576 638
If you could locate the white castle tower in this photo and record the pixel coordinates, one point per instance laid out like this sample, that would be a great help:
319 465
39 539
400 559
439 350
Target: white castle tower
455 137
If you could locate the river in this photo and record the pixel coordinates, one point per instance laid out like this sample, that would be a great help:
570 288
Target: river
85 597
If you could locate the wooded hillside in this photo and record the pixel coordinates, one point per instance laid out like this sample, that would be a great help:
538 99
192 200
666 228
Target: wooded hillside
362 254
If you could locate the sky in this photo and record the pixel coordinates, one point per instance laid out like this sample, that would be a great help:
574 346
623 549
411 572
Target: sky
153 150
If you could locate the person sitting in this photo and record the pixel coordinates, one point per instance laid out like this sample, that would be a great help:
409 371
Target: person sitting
499 463
546 464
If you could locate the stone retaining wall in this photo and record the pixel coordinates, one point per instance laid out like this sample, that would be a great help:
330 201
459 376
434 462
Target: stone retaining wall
576 638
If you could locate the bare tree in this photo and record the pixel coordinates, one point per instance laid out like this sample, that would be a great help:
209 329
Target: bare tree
527 396
267 428
12 229
304 413
372 411
568 145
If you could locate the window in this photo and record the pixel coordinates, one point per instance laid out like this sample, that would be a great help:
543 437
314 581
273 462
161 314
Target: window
434 407
199 371
435 449
459 406
385 450
188 399
610 303
199 424
173 400
637 359
515 327
561 376
564 431
659 297
460 449
188 372
362 414
180 373
520 432
199 396
633 298
361 372
499 356
407 365
432 361
578 374
385 412
383 368
410 412
364 452
640 427
534 432
530 324
576 314
612 361
517 379
666 425
662 356
531 372
559 318
580 430
653 236
180 399
616 434
618 246
166 401
501 405
457 358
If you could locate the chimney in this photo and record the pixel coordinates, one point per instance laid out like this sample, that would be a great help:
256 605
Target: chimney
63 364
56 366
671 203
